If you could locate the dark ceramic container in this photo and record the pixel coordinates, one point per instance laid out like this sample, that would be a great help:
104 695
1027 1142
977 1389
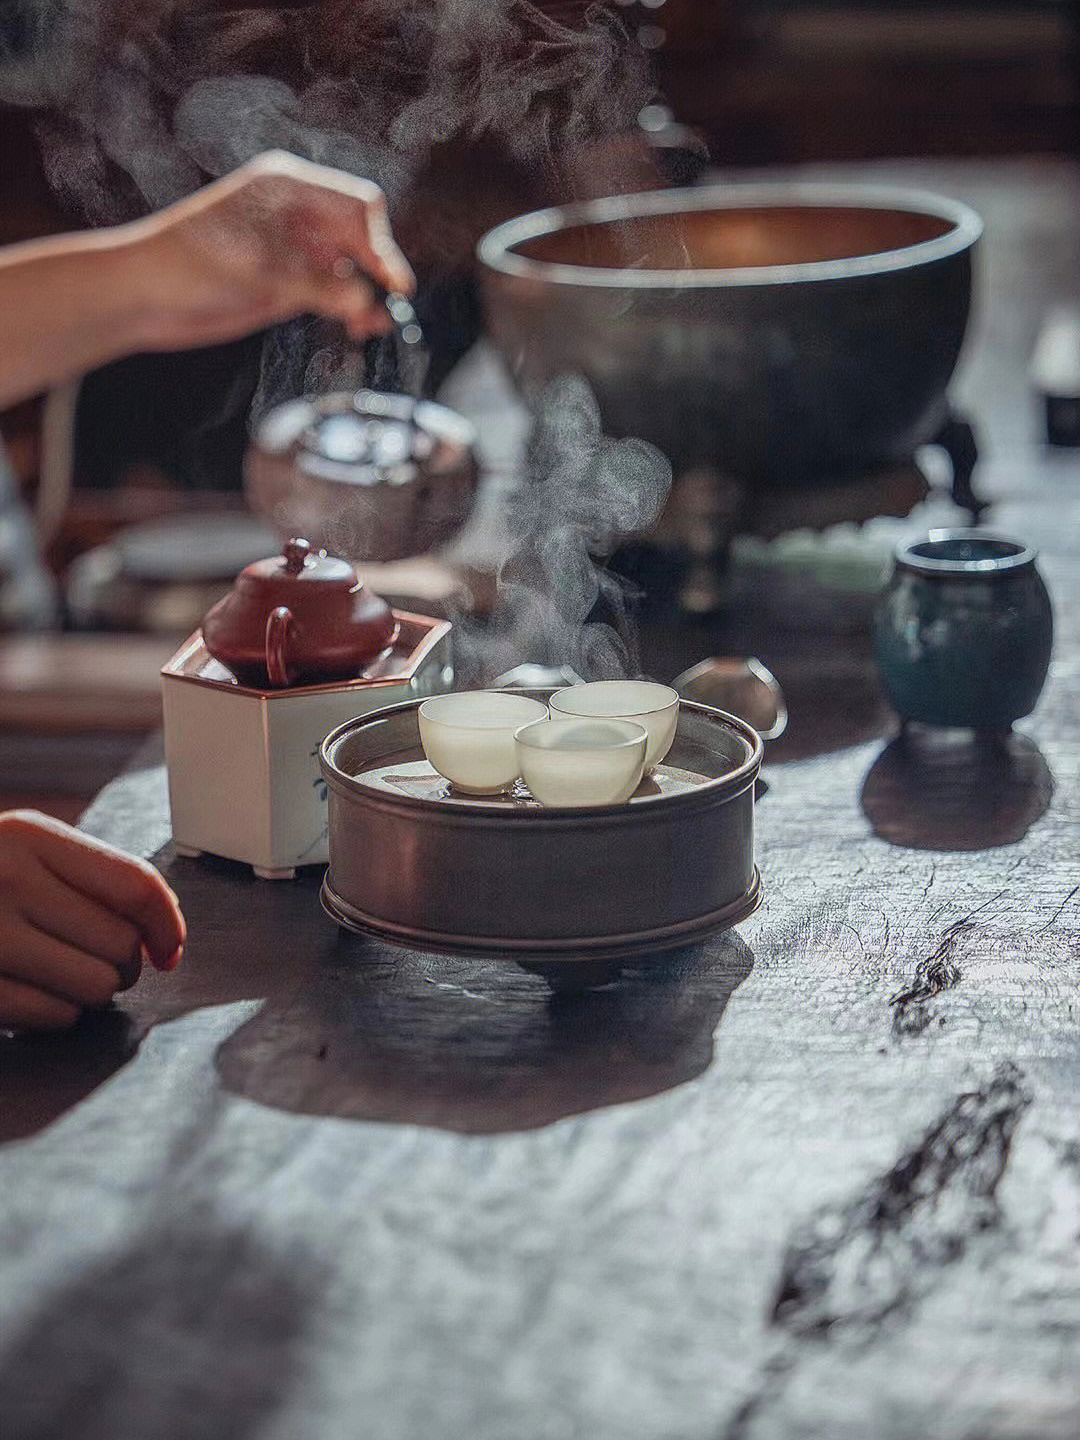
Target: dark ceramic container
964 631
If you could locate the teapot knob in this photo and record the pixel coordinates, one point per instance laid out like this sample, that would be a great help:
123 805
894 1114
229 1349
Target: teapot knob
295 552
278 623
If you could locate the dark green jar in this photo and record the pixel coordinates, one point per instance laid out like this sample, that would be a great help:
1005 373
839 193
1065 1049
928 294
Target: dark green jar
964 631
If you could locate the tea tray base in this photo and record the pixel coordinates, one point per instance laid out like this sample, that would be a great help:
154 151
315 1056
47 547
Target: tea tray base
630 946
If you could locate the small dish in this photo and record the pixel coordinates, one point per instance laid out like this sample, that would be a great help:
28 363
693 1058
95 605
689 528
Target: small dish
569 761
653 706
468 736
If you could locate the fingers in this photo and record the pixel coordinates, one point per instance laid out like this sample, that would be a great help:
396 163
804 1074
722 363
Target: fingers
370 241
350 300
57 909
24 1006
345 262
353 211
65 971
129 888
336 215
61 948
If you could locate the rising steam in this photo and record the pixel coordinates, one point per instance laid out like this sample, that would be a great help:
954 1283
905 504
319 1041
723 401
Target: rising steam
583 493
137 101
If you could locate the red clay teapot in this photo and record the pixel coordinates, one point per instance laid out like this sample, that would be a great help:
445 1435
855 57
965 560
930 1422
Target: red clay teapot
300 618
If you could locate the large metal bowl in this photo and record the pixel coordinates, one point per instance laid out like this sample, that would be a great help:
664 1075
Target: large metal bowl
778 334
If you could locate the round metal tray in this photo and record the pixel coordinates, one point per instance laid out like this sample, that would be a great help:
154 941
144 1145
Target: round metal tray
416 863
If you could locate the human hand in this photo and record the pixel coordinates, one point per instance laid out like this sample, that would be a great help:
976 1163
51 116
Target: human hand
278 237
77 919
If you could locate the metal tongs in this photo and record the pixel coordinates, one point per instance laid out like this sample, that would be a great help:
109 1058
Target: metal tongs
411 357
743 687
397 362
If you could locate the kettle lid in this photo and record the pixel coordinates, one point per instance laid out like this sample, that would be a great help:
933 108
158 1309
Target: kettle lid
370 438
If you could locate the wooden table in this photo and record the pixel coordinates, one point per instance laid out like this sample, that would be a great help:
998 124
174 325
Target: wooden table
819 1178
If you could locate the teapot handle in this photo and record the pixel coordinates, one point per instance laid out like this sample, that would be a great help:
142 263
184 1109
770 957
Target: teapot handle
278 623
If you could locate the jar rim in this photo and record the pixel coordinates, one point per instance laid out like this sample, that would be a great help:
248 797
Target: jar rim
964 553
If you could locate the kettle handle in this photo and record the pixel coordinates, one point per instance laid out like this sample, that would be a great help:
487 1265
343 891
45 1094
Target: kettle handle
278 623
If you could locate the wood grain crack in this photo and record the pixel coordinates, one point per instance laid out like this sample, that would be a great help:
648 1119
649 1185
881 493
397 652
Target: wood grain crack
1057 913
855 1263
912 1012
774 1377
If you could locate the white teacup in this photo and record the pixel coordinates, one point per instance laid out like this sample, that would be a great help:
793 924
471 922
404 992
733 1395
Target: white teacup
647 703
468 736
568 760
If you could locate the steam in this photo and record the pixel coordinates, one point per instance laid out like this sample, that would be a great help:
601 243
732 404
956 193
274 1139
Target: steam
557 88
583 493
220 123
138 101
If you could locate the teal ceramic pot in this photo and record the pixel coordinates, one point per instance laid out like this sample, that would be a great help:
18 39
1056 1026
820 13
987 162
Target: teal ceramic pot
964 631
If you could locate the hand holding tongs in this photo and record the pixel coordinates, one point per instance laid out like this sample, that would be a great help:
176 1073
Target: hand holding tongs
397 361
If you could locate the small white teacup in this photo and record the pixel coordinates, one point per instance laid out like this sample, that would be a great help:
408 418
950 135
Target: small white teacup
568 761
647 703
468 736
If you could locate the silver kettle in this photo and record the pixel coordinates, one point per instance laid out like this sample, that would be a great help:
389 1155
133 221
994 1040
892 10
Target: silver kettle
365 475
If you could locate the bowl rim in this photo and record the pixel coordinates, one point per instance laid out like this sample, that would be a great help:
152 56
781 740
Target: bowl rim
638 741
670 703
474 725
1016 554
470 810
495 250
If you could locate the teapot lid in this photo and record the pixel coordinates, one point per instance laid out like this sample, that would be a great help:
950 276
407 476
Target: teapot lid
298 564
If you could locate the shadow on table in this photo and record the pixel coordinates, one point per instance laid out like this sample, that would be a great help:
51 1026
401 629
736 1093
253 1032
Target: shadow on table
248 940
954 790
834 702
353 1028
43 1075
480 1047
193 1328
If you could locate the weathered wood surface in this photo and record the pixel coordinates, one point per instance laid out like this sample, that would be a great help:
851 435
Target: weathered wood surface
817 1179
